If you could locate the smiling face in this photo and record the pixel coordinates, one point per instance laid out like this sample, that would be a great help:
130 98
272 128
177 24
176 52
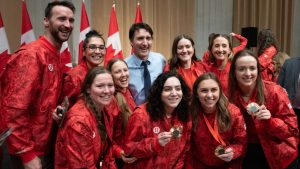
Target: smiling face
171 94
102 90
60 24
94 52
120 75
185 51
246 72
208 93
141 43
220 48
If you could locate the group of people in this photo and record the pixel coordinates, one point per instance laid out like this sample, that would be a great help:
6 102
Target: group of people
223 111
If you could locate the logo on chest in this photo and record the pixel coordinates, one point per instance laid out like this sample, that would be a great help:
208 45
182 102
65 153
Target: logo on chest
50 67
156 130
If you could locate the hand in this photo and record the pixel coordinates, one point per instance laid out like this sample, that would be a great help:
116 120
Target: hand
227 156
263 113
33 164
126 159
57 116
232 34
164 138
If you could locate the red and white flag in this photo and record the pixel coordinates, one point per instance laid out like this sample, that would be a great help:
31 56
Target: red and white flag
27 31
4 47
113 47
138 17
84 29
66 58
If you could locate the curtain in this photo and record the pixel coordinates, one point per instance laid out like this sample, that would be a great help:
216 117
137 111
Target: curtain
167 18
276 15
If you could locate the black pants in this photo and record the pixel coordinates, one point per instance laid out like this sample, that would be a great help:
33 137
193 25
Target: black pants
47 162
256 159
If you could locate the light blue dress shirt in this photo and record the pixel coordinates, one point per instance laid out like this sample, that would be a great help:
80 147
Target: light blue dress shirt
156 63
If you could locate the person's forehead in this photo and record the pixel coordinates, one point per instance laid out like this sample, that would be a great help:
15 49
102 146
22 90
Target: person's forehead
141 32
59 9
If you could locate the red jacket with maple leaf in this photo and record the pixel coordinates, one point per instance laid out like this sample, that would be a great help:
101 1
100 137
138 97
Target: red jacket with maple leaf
79 142
31 85
197 68
278 136
141 142
203 145
72 82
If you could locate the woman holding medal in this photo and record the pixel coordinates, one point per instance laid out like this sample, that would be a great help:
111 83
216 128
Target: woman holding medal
85 140
271 123
219 136
158 132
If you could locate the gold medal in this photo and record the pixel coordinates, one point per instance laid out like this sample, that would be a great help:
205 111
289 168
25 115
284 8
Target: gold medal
176 131
220 150
252 108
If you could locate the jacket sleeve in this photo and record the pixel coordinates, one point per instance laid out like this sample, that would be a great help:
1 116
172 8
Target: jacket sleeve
71 88
118 136
265 59
137 143
109 160
79 146
19 84
243 43
239 140
283 121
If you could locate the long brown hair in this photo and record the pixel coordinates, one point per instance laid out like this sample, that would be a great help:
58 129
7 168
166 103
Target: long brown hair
86 85
233 84
126 112
223 114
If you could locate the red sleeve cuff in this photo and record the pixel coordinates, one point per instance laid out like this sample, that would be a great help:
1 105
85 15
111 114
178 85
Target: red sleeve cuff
117 152
27 156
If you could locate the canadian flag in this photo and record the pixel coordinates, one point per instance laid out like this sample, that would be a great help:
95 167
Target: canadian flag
27 31
84 29
113 47
66 58
4 47
138 17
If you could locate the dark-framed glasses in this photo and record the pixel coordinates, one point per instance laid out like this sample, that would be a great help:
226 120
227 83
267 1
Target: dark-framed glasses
93 48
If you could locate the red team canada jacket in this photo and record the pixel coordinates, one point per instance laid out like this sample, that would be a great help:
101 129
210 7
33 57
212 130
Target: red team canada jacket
197 69
278 136
223 75
31 87
265 60
73 81
141 142
203 145
79 143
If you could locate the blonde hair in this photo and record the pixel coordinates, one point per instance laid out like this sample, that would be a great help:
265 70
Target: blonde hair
278 61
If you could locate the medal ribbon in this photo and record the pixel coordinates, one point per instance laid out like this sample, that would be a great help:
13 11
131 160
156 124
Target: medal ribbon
214 131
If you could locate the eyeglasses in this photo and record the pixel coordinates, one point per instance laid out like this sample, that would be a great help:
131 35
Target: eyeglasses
93 48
